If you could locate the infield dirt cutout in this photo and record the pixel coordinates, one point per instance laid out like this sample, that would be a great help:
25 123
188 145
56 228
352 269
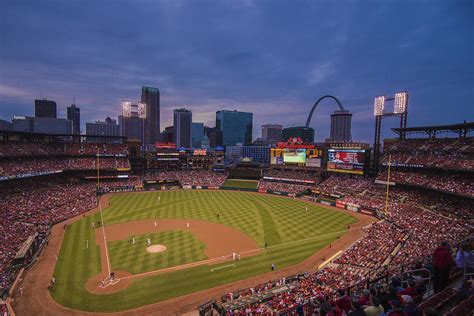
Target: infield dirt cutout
220 240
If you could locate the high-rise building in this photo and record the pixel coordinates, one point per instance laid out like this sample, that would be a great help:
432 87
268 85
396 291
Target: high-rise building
108 127
341 124
305 133
167 135
214 135
132 121
45 125
197 132
182 122
45 108
236 127
151 97
74 115
271 132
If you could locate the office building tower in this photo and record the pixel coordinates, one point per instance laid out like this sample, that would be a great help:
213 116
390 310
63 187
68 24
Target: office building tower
132 121
305 133
108 127
151 97
45 108
341 125
236 127
214 135
197 132
182 122
271 132
167 135
44 125
74 115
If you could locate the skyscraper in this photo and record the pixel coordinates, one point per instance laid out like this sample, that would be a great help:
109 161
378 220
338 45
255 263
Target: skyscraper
132 121
341 123
182 122
214 135
45 108
151 97
74 115
109 127
197 133
236 127
271 132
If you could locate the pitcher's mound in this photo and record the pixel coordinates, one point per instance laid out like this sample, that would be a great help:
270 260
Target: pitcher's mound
156 248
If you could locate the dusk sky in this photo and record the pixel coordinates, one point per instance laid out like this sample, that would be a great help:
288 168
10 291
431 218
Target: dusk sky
272 58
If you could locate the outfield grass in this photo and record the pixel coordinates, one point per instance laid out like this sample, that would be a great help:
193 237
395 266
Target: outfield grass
282 223
182 247
245 184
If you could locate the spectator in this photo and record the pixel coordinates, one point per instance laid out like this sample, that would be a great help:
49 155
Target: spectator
396 309
442 263
375 308
357 310
409 306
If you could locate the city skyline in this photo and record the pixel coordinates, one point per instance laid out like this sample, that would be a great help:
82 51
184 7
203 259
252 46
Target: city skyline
273 60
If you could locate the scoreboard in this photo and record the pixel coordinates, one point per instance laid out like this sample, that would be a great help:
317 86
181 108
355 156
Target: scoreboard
347 160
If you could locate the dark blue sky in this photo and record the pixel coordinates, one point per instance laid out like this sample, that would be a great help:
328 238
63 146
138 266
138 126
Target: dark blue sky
272 58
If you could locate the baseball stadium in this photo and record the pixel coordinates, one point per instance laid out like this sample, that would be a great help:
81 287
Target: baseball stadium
97 227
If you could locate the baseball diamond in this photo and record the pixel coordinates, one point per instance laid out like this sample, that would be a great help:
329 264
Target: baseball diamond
290 233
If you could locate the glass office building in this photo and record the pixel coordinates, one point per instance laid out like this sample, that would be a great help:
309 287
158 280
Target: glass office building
236 127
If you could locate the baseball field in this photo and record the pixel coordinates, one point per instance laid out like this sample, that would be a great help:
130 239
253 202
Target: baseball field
199 230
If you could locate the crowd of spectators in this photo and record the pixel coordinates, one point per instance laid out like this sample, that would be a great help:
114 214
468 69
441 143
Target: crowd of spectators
18 159
37 165
445 153
283 186
191 177
289 174
462 184
373 250
15 149
36 210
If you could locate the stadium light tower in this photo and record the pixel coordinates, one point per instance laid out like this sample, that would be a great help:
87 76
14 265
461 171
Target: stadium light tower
400 109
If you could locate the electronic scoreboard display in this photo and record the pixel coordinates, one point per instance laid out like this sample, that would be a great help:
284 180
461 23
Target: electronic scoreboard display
294 156
346 160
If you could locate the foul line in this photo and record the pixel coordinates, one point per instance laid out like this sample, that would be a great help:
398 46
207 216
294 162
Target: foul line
103 234
222 267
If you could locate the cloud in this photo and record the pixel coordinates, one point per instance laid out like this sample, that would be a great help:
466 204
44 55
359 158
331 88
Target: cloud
270 58
320 73
9 92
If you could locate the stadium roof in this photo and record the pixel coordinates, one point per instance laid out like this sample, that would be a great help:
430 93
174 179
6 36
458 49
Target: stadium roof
462 129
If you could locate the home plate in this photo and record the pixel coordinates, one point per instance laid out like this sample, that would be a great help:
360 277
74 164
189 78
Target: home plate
156 248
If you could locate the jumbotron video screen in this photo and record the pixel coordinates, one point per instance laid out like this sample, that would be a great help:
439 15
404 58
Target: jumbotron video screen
346 160
294 156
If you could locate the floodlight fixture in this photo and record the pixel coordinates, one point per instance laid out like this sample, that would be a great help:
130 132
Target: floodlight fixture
141 110
126 108
400 102
379 105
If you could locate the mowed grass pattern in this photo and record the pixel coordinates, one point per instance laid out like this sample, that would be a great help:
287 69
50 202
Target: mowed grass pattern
291 233
246 184
182 247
